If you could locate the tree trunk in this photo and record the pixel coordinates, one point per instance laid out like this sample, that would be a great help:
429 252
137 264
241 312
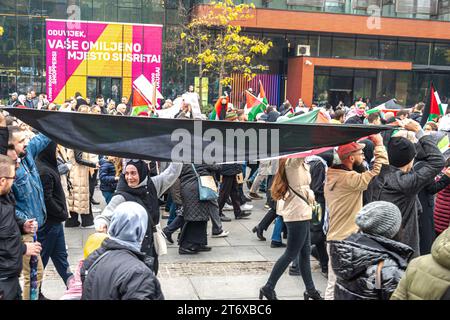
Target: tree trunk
221 71
200 77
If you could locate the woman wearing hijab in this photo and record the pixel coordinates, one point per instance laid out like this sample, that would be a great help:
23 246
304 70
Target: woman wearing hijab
118 270
137 186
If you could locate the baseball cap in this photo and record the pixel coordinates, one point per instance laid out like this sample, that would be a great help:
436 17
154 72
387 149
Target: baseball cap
345 150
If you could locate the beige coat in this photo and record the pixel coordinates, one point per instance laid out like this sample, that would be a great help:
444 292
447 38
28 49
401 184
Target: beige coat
293 208
79 177
344 195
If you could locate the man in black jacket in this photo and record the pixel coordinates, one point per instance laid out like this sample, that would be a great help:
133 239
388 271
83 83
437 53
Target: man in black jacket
51 234
399 184
11 246
229 188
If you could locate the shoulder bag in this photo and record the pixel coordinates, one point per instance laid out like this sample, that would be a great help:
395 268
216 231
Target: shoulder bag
316 208
207 187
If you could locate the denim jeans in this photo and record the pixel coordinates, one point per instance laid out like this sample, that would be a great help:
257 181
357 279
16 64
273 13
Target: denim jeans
172 212
298 244
276 233
107 195
51 237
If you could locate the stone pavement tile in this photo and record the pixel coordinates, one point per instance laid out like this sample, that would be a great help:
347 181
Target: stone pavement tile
53 289
217 254
270 254
242 237
179 288
247 286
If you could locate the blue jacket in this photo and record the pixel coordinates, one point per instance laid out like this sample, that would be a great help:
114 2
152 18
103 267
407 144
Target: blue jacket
27 187
107 174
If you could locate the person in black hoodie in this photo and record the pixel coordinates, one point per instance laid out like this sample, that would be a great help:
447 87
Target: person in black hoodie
51 234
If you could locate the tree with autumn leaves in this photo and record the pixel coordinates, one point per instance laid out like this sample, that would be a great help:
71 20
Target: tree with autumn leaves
213 42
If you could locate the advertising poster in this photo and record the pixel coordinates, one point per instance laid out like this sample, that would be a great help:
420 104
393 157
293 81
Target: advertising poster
80 50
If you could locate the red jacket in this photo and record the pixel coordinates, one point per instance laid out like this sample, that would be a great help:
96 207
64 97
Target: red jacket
442 210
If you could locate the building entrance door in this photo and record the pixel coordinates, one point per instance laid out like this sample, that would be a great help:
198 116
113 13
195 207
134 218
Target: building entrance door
109 88
336 95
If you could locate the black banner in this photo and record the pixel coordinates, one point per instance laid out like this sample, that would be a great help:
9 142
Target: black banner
187 141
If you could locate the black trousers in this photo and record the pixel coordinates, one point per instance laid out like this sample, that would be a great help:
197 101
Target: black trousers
10 289
92 183
229 188
193 234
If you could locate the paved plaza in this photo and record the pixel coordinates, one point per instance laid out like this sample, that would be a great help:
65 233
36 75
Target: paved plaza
235 268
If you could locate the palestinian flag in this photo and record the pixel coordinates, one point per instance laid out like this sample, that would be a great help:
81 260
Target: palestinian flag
251 102
315 116
434 108
218 108
139 103
260 107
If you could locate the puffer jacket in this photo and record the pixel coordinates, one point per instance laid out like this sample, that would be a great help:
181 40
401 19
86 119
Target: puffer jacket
121 274
107 175
427 277
292 207
193 208
79 179
355 262
442 210
231 169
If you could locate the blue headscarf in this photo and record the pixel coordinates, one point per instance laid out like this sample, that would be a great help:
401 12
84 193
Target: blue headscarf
128 225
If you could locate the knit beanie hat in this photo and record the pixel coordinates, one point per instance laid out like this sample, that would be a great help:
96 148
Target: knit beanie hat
380 218
400 151
141 167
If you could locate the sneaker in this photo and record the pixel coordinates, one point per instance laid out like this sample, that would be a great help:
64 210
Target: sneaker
246 207
72 223
223 234
168 236
243 215
276 244
227 207
96 210
267 206
224 218
254 196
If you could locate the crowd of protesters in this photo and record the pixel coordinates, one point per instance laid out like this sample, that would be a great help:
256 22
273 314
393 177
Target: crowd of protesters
384 199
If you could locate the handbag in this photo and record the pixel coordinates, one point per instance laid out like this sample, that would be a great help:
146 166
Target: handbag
315 207
159 241
207 187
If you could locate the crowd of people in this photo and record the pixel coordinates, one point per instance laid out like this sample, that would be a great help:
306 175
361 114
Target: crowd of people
375 213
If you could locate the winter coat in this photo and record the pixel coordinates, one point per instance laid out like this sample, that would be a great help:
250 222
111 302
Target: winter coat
11 246
355 262
344 195
193 208
355 120
442 210
416 116
79 179
175 193
426 221
427 277
55 199
27 187
107 175
400 188
121 274
292 207
231 169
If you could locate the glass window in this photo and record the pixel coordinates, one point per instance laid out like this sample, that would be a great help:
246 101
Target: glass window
314 44
8 6
8 62
441 54
385 85
105 10
406 50
86 9
30 65
388 49
422 53
55 9
403 86
321 85
343 47
29 7
131 15
30 34
324 46
367 48
8 39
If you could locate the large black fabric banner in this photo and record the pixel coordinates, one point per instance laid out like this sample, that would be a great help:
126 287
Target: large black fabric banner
186 140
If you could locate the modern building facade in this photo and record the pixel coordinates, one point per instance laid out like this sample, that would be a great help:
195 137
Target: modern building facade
324 50
343 49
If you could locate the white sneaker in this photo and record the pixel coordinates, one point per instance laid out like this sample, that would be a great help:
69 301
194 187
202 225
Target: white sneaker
246 207
96 210
227 207
223 234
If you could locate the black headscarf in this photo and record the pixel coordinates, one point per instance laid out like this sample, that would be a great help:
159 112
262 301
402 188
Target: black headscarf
141 167
48 156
